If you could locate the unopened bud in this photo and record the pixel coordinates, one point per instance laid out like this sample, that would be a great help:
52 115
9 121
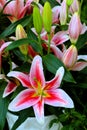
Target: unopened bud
20 33
63 13
37 20
47 17
70 57
75 27
69 2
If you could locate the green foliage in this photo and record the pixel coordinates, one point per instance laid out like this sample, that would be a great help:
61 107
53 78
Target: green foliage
11 28
74 83
52 64
3 105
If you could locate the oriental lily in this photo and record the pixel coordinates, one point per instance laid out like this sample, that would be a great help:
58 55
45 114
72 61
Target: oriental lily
16 9
39 91
70 58
56 39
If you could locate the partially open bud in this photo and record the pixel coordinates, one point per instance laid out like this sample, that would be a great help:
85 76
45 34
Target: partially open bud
75 27
47 17
69 2
70 56
20 33
37 19
63 13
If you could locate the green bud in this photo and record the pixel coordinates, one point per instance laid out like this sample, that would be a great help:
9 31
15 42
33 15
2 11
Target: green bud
20 33
69 2
37 19
47 17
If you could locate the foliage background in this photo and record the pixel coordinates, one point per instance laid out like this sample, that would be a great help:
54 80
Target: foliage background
72 119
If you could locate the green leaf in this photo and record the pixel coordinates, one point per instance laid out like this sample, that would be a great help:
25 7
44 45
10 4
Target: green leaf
82 85
67 127
31 35
11 28
19 42
52 64
3 106
82 41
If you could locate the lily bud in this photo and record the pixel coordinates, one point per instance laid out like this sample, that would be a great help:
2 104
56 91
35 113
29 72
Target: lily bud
37 20
63 13
69 2
70 56
37 1
75 28
75 7
20 33
47 17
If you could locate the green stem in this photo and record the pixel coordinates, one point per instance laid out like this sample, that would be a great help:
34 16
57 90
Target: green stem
49 43
80 7
39 39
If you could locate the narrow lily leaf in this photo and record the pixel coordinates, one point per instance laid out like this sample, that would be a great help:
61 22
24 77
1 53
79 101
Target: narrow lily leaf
3 106
52 64
32 35
11 28
17 43
82 41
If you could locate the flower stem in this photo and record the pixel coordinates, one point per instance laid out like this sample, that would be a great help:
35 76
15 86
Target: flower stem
39 39
49 43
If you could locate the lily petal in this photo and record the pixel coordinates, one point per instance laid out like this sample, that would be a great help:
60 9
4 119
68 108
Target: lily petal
9 89
39 111
79 66
4 45
58 97
58 53
36 72
55 82
82 57
23 78
55 14
60 37
24 100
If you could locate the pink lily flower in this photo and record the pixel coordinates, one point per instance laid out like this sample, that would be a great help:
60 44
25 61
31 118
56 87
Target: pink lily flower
39 91
70 58
56 39
16 9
